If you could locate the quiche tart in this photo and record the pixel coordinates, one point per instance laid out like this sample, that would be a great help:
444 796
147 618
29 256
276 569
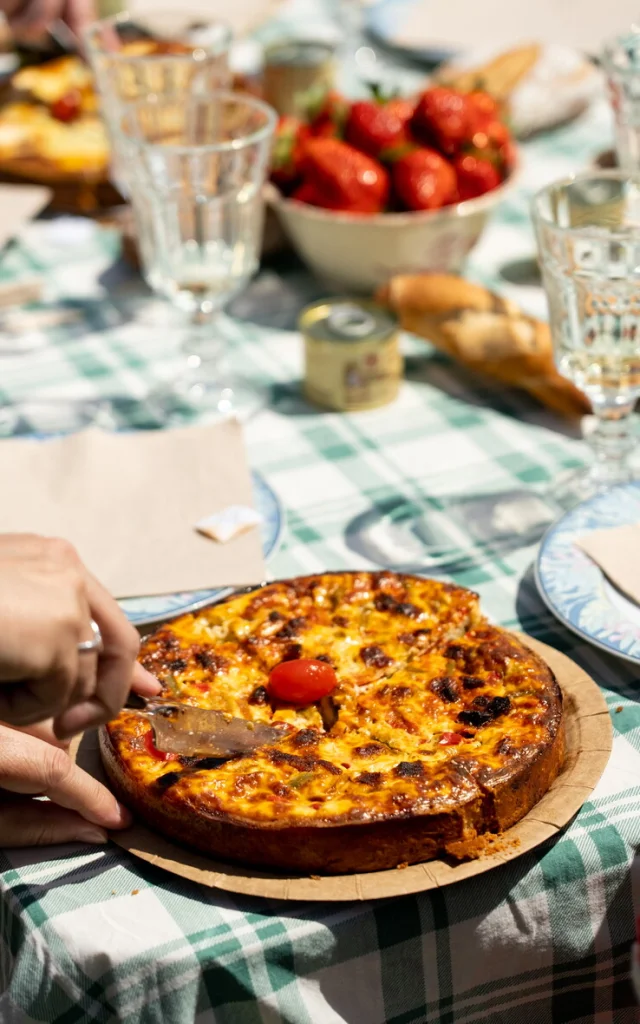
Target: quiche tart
440 726
50 126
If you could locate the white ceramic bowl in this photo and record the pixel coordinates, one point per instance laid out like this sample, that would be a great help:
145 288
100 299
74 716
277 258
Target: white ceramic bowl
362 252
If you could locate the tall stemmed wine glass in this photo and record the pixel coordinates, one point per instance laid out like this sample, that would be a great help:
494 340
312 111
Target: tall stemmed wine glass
588 230
196 169
171 53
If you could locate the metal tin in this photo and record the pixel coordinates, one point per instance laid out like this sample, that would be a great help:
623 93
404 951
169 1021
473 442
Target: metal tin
352 355
295 67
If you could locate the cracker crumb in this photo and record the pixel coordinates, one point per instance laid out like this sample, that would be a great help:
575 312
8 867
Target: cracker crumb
618 709
403 865
228 523
480 846
134 892
113 892
316 878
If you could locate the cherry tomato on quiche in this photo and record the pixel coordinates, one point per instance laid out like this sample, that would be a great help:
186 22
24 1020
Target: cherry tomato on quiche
150 747
67 108
302 681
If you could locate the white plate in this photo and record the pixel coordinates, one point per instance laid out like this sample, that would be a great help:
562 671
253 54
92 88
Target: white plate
430 27
575 589
384 20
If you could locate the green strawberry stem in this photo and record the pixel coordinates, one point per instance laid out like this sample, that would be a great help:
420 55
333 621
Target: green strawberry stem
382 95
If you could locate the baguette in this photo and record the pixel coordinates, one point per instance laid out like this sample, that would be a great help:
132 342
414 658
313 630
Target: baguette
484 332
499 76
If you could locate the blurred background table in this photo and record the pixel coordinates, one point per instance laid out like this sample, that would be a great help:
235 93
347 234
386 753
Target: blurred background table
98 936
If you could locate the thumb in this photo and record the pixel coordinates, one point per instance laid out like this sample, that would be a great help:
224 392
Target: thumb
40 823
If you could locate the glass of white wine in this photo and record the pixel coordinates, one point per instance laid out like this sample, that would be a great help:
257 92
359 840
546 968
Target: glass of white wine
588 231
196 169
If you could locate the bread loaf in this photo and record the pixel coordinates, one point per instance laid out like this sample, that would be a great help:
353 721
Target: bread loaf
484 332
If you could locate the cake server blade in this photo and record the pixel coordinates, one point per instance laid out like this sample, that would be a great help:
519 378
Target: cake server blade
190 731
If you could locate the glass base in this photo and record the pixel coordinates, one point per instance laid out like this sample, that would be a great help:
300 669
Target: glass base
576 485
192 399
451 533
54 416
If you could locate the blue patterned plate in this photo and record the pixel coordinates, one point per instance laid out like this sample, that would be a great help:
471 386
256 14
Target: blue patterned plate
143 611
575 589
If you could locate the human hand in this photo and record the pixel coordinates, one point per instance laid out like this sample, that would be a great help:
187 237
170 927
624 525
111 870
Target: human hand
47 601
29 19
79 808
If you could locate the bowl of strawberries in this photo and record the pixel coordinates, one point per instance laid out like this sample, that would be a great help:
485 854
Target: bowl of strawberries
368 189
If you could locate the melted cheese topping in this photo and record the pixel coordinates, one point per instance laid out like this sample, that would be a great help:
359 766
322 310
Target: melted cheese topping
52 80
30 132
415 663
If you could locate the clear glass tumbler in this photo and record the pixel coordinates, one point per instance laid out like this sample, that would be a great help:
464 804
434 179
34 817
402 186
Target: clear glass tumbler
170 53
588 231
196 172
621 62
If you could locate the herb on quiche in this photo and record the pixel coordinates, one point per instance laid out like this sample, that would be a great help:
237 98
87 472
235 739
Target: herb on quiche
297 781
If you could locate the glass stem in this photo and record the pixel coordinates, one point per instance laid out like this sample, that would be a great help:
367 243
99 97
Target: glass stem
202 344
611 439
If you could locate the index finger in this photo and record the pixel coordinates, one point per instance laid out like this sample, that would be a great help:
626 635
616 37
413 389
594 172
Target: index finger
79 14
34 17
117 671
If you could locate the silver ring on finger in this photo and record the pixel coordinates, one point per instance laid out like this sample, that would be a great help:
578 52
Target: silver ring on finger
95 644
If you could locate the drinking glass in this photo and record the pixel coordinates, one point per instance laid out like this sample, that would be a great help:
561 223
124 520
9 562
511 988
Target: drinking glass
196 173
621 62
169 53
588 231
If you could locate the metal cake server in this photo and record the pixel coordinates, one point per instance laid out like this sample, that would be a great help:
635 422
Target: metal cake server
191 732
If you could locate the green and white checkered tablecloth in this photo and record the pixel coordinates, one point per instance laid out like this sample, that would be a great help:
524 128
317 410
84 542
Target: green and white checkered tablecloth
544 938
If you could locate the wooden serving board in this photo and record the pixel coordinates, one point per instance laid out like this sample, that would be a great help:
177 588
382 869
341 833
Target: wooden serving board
589 740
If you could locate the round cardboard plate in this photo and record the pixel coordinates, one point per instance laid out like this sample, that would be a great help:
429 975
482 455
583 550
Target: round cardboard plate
589 740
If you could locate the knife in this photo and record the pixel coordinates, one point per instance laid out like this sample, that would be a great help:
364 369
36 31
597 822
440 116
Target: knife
190 731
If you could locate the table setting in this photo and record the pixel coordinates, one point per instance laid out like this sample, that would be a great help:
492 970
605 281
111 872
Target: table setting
331 321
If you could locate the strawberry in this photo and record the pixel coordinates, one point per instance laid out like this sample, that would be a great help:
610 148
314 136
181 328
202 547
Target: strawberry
326 111
424 180
374 127
345 178
308 193
490 134
288 151
326 128
507 154
475 176
491 139
444 118
483 104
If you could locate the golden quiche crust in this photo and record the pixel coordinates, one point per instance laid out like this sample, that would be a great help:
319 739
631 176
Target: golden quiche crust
441 727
